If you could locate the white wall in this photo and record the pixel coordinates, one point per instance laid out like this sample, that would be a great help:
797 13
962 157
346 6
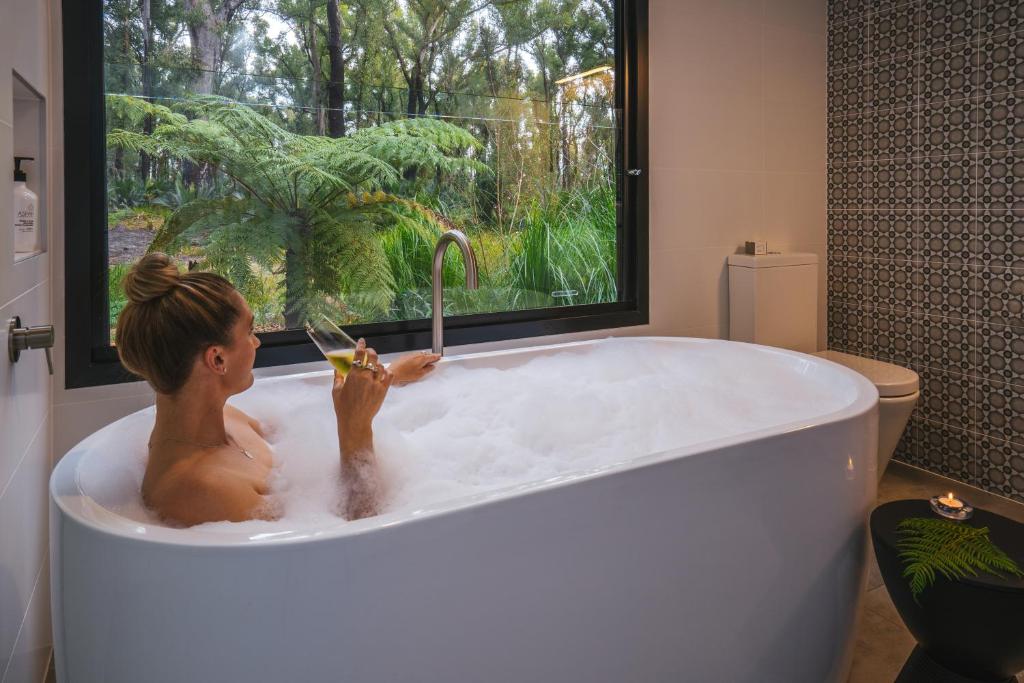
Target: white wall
737 147
25 387
737 152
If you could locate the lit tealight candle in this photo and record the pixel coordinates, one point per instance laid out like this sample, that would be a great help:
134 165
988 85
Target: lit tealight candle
952 507
951 501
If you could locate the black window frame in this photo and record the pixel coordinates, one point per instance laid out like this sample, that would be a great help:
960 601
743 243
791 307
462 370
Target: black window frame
90 360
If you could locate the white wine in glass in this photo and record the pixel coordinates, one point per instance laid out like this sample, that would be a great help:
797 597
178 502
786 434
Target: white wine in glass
337 347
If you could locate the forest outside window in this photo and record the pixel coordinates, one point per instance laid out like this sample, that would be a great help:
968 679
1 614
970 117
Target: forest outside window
312 151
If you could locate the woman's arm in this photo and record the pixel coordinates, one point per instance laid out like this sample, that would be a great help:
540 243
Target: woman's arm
357 398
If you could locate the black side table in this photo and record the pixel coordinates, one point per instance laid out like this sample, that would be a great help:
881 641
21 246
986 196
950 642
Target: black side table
967 631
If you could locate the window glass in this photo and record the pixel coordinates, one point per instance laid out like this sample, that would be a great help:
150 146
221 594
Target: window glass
312 151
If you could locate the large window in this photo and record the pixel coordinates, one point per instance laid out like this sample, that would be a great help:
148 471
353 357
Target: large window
312 151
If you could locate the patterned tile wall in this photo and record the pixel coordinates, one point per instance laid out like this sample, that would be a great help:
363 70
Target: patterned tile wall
926 219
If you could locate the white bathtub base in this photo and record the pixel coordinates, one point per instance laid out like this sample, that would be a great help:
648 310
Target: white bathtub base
671 572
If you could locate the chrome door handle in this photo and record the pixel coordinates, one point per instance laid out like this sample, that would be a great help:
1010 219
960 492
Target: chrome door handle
24 338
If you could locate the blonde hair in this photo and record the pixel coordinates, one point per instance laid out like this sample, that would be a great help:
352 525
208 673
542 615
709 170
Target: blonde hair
170 318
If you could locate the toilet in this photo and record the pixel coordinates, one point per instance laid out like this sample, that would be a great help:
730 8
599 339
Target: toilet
773 300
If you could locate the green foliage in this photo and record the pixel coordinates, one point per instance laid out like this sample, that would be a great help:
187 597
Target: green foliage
566 249
309 206
251 187
177 194
929 547
125 191
117 297
144 217
567 245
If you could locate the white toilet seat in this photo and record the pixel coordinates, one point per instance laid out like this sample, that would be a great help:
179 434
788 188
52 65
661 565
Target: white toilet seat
890 380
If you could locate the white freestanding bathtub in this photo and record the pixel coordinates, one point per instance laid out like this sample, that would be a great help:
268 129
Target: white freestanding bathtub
739 558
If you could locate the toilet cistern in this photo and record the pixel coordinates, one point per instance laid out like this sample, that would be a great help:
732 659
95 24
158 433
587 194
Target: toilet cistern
437 323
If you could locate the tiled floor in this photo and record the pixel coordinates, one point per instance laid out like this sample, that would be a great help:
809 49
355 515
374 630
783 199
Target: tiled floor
883 642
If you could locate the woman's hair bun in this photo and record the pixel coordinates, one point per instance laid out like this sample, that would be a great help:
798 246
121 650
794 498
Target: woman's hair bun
151 278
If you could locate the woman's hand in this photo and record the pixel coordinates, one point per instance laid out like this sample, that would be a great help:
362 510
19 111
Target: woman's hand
413 366
357 398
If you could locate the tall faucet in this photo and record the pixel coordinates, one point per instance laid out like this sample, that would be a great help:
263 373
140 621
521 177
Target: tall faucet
471 281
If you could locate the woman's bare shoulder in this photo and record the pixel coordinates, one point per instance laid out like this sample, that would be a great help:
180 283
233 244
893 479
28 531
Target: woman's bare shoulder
192 494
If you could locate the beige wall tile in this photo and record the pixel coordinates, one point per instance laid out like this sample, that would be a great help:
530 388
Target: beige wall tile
794 208
737 147
704 208
705 71
23 526
24 33
32 650
24 386
690 289
802 15
795 138
794 67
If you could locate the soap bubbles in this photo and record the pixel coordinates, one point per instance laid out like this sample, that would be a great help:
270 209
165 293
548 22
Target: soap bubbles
466 430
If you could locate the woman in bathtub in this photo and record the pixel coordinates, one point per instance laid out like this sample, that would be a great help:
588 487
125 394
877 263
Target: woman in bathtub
190 335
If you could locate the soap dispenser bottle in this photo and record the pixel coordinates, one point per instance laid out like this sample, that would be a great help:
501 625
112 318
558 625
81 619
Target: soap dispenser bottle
26 233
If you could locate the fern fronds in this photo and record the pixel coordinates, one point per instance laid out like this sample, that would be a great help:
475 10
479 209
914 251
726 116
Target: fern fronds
929 547
135 109
226 209
310 207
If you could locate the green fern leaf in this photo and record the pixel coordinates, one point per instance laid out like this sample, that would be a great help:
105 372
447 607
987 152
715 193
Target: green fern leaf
930 547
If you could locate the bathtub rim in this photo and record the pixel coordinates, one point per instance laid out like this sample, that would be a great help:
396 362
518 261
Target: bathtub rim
69 499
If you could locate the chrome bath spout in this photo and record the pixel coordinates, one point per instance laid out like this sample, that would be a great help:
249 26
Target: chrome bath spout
438 281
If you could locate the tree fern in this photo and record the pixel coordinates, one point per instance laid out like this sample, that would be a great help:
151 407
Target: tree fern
306 205
929 547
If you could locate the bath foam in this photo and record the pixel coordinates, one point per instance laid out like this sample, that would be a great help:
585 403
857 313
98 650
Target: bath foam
468 430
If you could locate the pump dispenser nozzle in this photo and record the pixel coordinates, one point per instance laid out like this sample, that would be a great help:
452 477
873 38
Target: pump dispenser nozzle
19 175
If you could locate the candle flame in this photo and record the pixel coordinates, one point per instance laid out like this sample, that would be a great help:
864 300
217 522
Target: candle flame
950 496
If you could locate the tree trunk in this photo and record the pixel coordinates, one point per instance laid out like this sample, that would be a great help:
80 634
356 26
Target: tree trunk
541 57
314 64
412 107
415 107
357 114
204 34
147 81
296 281
336 85
293 286
204 29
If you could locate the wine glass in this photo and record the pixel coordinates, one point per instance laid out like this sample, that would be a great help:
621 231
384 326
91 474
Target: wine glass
337 347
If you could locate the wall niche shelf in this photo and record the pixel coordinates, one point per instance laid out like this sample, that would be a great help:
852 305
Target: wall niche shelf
20 256
29 141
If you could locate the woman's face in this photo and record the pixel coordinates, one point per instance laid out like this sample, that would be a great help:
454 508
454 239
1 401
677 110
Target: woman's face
240 354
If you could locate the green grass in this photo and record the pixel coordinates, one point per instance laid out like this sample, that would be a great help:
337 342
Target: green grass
138 218
566 249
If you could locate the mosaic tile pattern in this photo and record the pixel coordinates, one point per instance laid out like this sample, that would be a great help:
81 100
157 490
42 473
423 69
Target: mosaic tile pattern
926 219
